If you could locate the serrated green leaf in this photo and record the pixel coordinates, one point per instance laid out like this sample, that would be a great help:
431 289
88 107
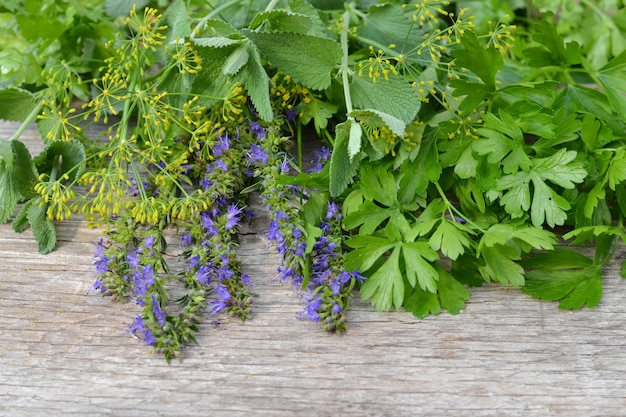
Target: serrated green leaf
421 303
320 111
451 238
342 167
376 119
43 228
503 234
500 265
394 97
484 62
279 20
24 173
16 104
452 293
417 263
386 24
566 276
613 79
215 42
367 250
309 60
378 183
616 173
354 142
236 60
385 287
8 195
256 82
20 222
368 217
553 51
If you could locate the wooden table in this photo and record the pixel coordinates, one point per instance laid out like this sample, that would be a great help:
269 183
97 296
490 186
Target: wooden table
67 354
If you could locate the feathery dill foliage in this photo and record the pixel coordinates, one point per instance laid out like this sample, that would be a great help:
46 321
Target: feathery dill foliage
454 141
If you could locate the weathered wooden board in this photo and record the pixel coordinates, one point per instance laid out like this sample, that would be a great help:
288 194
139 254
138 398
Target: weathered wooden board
67 354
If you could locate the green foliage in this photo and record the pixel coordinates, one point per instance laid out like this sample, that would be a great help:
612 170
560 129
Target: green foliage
460 141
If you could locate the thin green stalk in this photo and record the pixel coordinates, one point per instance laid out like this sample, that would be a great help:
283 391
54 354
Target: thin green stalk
29 119
345 68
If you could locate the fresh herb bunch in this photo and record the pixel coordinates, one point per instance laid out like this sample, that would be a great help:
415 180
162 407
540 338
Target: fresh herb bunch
461 144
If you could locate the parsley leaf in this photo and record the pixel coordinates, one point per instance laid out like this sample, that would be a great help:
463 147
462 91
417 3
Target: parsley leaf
386 286
564 275
561 168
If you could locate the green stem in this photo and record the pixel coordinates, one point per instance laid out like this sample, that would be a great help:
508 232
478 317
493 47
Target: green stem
29 119
345 68
219 9
271 5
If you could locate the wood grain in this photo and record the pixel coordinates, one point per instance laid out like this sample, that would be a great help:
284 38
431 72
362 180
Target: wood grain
67 354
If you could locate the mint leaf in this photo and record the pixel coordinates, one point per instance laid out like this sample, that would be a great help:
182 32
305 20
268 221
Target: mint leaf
20 222
342 167
386 24
385 287
564 275
376 119
16 104
24 172
309 60
43 228
237 59
394 96
282 21
256 82
8 195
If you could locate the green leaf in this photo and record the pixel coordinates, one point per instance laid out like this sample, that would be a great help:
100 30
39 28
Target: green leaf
366 251
553 50
505 233
8 195
503 143
375 119
320 111
394 97
566 276
115 8
421 303
354 141
43 228
16 104
417 262
24 172
385 287
282 21
451 238
256 82
452 293
378 183
386 24
309 60
368 217
342 167
64 157
178 21
237 59
485 63
500 265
